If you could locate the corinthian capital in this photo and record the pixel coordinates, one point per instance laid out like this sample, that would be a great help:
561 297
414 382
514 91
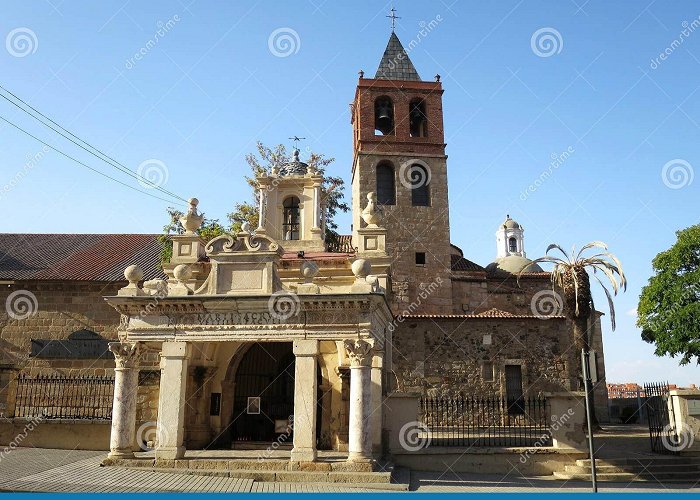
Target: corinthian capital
359 352
126 354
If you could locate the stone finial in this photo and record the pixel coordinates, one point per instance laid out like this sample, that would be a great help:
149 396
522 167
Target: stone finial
192 219
126 354
133 275
183 274
359 352
361 269
370 214
309 270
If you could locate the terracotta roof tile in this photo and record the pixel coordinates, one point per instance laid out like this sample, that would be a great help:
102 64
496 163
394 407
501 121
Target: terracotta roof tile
459 263
78 257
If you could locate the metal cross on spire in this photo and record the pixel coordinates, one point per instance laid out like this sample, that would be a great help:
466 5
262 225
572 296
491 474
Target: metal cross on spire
393 18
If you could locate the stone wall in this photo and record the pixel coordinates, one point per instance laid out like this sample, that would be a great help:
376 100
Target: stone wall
447 357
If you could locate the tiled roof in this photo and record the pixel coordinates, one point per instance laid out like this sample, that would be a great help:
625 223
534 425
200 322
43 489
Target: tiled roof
78 257
461 264
495 313
395 63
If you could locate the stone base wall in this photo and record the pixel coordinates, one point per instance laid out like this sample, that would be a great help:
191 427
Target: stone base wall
62 434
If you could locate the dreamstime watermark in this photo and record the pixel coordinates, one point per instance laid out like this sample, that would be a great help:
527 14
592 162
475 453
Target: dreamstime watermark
284 42
677 174
283 305
557 161
414 436
281 439
163 29
19 438
154 173
21 304
21 42
688 29
414 174
32 161
425 292
425 29
149 435
546 304
544 439
546 42
677 440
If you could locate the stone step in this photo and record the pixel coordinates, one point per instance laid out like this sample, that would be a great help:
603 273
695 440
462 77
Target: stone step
250 464
656 460
627 477
651 468
286 476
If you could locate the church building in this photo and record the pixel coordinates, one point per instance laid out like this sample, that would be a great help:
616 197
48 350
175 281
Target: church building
274 335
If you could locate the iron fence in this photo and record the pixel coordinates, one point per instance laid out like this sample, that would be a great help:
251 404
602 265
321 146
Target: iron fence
662 432
64 396
486 421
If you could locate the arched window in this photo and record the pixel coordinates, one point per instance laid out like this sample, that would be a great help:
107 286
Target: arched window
419 178
290 221
386 187
418 120
512 244
383 116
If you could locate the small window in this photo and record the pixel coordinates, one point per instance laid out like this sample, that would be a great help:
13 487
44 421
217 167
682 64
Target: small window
512 245
418 122
383 116
487 371
419 178
420 258
386 186
290 224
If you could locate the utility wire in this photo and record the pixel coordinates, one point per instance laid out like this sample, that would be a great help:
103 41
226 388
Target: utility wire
102 156
80 162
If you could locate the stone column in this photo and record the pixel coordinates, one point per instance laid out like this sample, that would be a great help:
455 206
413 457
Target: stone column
305 410
261 210
377 409
317 206
171 401
360 433
126 382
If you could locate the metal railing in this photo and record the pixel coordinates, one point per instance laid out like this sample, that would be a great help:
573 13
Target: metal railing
467 421
64 396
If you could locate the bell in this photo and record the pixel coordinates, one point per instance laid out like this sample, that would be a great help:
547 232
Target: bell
383 119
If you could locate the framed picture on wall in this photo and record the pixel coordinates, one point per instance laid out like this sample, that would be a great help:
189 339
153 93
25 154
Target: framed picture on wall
253 406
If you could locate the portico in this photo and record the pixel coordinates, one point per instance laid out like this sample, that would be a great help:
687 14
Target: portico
206 327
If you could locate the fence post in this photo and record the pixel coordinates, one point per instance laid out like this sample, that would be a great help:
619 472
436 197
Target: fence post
11 401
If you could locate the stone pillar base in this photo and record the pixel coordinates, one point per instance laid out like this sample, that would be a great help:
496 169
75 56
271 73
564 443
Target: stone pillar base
303 455
121 454
354 456
168 453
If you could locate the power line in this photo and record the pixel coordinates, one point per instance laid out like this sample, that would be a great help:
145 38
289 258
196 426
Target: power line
80 162
102 156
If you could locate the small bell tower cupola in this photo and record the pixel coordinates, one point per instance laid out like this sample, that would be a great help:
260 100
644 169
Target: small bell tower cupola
290 206
510 239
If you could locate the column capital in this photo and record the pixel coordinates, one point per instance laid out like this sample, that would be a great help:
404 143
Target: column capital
126 354
359 352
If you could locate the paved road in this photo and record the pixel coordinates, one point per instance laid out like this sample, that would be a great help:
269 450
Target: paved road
33 469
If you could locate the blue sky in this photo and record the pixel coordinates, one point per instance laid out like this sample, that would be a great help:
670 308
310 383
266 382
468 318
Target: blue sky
199 99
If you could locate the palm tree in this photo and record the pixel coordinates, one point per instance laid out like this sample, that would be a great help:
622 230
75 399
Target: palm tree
571 275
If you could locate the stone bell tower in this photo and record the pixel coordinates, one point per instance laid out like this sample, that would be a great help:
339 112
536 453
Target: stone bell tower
399 153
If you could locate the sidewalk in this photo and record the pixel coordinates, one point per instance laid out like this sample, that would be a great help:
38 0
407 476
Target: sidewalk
48 470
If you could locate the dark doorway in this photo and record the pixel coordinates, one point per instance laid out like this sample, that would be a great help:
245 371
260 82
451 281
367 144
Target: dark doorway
264 392
263 403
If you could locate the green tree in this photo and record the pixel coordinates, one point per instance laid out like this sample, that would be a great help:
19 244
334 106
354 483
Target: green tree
669 305
332 190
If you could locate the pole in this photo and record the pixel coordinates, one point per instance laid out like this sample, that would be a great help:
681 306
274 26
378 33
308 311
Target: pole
585 357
